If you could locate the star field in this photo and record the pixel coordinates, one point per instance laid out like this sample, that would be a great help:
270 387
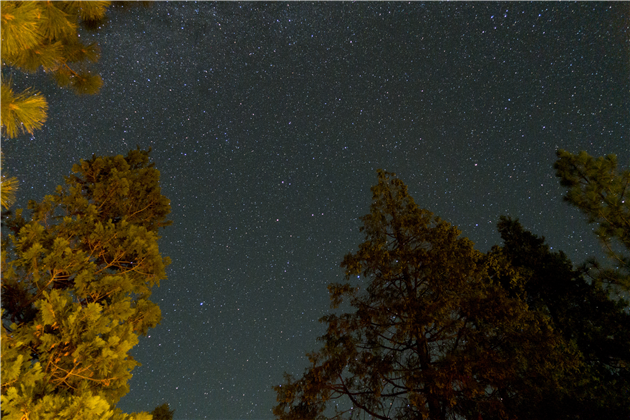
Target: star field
268 122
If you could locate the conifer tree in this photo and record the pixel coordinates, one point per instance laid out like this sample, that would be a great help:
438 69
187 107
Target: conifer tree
44 35
432 332
585 314
77 274
601 191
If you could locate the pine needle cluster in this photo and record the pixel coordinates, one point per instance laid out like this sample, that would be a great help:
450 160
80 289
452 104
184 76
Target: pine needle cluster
44 35
8 187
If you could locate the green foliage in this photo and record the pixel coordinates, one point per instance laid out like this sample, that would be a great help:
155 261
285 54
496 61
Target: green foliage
433 335
162 412
76 281
600 190
44 34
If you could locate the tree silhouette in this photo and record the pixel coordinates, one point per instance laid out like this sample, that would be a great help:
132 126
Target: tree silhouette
601 191
585 315
162 412
433 333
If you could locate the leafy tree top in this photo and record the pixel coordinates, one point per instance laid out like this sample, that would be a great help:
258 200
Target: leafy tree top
77 274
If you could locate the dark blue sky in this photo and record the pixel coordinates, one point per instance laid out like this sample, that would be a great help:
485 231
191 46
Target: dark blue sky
268 121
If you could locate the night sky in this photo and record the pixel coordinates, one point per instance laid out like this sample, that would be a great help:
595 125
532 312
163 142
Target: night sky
268 122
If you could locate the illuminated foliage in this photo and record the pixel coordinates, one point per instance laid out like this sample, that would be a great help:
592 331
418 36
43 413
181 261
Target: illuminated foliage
44 35
76 281
25 112
8 187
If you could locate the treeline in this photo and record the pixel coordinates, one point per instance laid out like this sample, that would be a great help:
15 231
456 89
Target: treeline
438 329
442 331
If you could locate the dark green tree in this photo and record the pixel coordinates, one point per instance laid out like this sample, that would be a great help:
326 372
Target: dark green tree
585 315
601 191
162 412
433 334
76 280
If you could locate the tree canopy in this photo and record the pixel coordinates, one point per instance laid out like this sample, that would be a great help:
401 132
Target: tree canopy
585 315
433 332
44 35
77 274
601 191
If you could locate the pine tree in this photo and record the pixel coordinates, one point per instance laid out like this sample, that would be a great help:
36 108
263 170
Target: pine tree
44 35
602 192
585 315
433 335
76 280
